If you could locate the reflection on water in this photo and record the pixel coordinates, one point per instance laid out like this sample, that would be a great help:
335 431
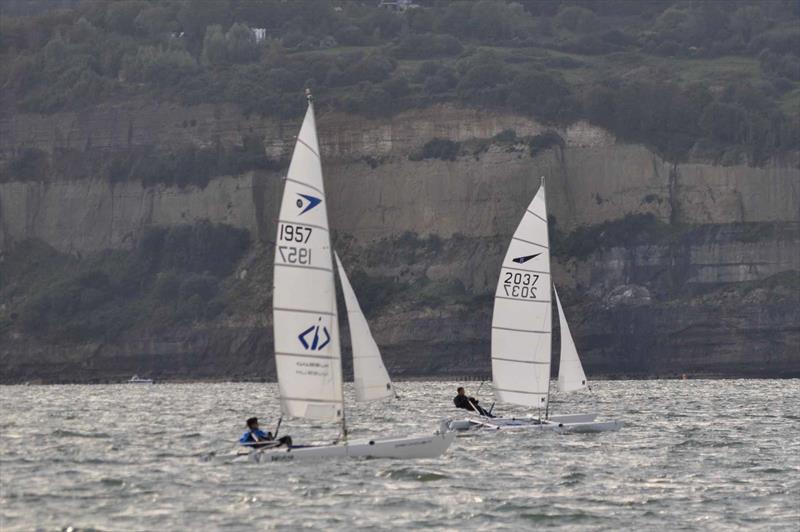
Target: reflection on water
692 454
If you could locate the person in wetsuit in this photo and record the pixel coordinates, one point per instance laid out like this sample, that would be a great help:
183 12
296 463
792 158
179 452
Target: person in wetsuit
469 403
254 436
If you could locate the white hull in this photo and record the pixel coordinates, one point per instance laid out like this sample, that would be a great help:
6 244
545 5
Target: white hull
589 428
574 418
564 424
402 447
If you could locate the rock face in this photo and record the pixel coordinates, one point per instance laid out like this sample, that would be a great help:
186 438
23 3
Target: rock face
716 295
593 179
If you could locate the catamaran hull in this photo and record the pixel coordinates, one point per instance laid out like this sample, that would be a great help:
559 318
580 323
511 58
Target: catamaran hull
565 424
589 428
573 418
431 446
471 424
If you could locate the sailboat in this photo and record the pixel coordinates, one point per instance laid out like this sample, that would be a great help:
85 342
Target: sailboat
306 324
522 336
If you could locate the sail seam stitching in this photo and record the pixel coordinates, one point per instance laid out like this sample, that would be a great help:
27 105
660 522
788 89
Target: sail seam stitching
529 242
524 270
326 312
312 187
312 150
518 391
533 213
524 300
520 361
299 266
306 356
519 330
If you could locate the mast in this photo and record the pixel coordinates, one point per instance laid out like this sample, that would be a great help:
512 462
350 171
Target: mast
547 225
310 100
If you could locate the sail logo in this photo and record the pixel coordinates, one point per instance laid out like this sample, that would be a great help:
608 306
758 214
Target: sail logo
307 202
526 258
315 338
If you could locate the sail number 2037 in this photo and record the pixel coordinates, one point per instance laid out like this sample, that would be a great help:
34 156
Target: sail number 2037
294 234
520 284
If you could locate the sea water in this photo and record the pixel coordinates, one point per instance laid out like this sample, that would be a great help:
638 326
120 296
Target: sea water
694 454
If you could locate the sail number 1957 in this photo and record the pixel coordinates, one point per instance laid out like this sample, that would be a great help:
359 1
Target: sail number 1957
520 284
294 233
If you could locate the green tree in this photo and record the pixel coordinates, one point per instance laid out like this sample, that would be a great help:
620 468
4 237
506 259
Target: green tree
120 15
724 121
155 20
159 66
215 46
194 16
241 44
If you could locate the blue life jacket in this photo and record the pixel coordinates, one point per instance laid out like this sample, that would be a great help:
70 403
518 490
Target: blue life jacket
247 437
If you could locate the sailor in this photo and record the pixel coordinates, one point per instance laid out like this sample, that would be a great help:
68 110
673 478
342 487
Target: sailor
469 403
254 436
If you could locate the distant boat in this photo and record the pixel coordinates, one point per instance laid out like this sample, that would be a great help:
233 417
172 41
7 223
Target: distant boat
138 380
306 325
522 335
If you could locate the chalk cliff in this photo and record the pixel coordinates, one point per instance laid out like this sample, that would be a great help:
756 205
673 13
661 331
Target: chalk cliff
712 289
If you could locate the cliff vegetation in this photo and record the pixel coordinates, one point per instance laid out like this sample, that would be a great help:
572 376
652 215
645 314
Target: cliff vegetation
717 81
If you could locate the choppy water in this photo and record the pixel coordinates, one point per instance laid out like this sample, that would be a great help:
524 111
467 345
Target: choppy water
693 455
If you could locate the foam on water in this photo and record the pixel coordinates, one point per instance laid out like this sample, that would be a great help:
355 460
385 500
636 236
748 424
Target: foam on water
692 455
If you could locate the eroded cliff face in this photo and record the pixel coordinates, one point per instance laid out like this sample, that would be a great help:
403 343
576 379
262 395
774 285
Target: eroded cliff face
375 190
715 292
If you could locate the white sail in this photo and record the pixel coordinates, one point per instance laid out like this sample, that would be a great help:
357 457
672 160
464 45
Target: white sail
307 348
521 322
570 371
370 375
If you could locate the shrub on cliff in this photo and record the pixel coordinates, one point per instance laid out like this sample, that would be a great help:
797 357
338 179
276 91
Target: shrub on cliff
160 66
544 141
444 149
630 230
426 46
543 95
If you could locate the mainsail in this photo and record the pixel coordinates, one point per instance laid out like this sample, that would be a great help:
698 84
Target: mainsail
521 322
307 348
570 371
370 375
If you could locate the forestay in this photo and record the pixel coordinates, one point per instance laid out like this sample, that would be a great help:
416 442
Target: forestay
370 375
570 371
307 348
521 322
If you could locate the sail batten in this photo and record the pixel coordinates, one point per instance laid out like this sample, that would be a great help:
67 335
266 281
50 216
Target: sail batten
571 376
305 321
369 373
521 332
